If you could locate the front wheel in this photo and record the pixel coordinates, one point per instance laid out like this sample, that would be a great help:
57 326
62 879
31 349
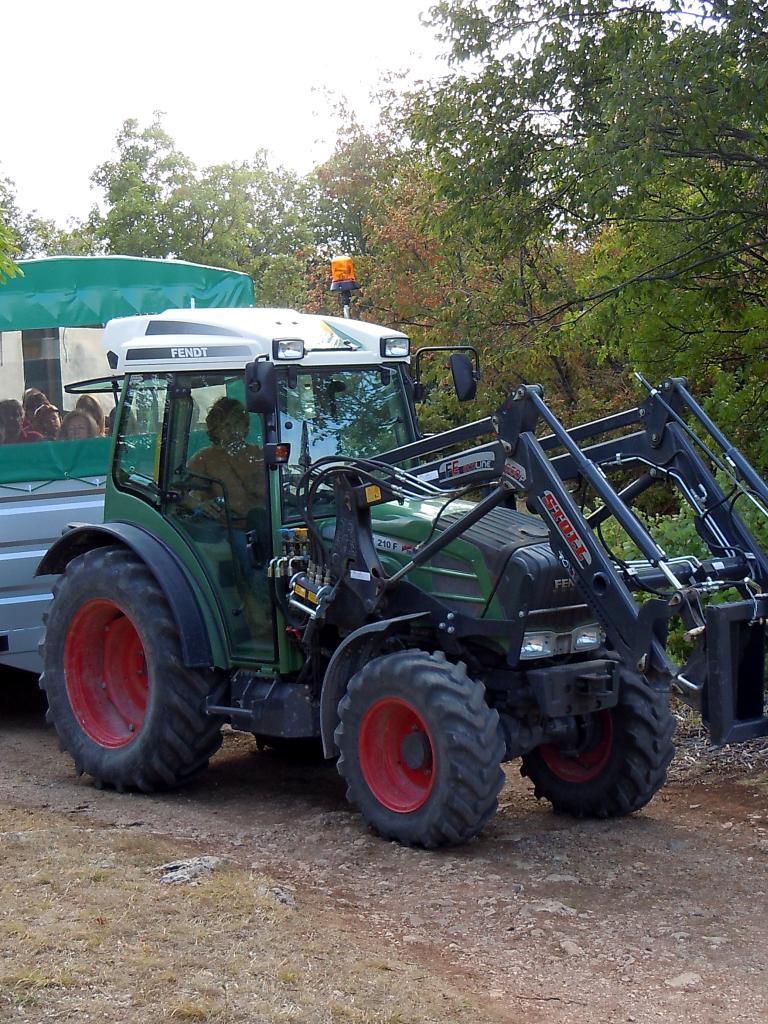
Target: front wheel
619 762
125 706
420 749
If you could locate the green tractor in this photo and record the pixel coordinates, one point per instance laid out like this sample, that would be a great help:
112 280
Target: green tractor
284 551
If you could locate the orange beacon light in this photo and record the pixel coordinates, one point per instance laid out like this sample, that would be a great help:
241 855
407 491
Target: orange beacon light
343 274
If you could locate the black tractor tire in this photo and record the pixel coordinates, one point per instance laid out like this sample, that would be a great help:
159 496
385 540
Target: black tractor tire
622 764
123 703
420 749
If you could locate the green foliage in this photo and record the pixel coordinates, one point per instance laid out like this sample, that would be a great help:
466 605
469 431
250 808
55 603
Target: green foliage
581 108
139 188
706 329
343 192
7 266
676 535
585 195
284 282
8 244
634 137
446 287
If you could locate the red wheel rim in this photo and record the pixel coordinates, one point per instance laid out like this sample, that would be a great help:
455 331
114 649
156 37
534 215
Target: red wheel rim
397 755
588 764
105 670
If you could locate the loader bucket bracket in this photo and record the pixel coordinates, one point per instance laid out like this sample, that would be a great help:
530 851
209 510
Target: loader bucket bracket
733 705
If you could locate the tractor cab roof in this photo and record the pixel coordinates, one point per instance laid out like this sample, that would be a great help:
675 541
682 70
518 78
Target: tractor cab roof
230 338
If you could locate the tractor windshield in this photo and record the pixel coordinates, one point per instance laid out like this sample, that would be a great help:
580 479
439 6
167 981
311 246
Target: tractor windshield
346 412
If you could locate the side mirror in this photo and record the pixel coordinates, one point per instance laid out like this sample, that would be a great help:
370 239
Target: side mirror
464 380
260 386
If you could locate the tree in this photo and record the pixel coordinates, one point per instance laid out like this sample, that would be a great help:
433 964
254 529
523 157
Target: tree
444 287
240 215
287 281
8 244
635 135
582 108
343 192
139 187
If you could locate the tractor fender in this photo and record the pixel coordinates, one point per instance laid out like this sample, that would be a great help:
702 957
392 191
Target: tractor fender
354 651
159 560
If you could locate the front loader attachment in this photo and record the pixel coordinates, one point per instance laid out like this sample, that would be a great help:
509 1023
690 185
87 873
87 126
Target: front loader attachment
724 676
667 439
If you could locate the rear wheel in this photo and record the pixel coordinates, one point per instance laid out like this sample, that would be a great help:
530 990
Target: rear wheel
420 749
619 762
125 706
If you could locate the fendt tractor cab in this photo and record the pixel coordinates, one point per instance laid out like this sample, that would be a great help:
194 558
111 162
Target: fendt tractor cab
283 550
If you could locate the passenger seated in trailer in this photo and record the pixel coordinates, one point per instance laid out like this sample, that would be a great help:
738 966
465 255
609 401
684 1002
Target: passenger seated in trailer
90 405
12 417
47 421
32 400
77 426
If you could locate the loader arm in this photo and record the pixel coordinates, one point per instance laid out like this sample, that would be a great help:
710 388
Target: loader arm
724 676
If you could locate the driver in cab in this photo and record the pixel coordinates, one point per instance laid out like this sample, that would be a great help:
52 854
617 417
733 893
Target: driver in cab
229 474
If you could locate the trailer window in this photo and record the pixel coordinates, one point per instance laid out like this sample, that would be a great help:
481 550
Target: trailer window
48 360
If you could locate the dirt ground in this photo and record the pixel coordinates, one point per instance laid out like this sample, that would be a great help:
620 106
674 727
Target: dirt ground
308 917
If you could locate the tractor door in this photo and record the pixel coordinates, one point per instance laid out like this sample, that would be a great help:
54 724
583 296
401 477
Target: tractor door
216 484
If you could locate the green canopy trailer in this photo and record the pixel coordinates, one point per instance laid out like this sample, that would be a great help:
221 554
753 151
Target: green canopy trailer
52 317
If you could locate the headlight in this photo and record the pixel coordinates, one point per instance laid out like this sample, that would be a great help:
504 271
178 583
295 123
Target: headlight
395 348
550 644
537 645
287 348
586 638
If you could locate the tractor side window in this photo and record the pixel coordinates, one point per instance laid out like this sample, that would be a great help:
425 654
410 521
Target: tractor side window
216 447
139 439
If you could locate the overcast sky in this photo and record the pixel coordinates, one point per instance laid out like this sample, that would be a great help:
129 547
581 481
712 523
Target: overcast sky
230 75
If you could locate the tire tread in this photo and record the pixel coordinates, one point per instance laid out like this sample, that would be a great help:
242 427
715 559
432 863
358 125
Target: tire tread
629 782
457 707
184 737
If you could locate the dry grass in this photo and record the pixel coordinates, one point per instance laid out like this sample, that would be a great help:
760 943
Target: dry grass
87 931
